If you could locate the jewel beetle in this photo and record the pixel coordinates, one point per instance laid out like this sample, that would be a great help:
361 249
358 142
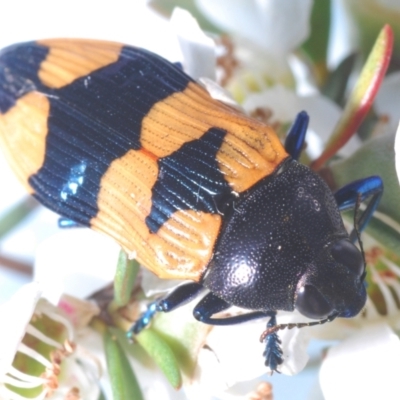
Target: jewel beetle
120 140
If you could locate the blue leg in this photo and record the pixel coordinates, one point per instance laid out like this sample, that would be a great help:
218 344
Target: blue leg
211 304
355 192
180 296
68 223
297 133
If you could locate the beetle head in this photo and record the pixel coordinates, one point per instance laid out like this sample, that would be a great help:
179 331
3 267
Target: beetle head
336 287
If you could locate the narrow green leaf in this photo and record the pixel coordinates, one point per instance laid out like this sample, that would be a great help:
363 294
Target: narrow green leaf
124 279
101 396
316 46
361 97
375 157
16 215
387 236
123 380
185 336
162 355
336 83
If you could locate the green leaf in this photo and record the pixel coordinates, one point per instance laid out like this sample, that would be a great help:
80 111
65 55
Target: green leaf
123 380
375 157
124 279
102 396
386 235
361 97
336 83
368 17
316 46
16 215
184 334
161 353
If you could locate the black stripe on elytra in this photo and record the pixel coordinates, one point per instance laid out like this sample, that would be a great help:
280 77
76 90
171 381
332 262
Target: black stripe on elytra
189 179
19 65
92 121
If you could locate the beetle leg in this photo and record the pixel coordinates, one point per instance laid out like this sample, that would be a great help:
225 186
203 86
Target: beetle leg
273 351
212 304
178 297
297 133
348 196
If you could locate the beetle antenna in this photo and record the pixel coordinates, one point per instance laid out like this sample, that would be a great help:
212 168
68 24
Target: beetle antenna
275 328
356 226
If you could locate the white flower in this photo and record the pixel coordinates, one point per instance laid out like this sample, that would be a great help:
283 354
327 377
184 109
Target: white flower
387 100
37 351
87 266
198 50
22 304
397 151
275 26
58 269
264 33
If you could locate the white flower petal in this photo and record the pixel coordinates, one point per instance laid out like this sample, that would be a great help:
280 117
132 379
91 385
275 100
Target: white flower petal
363 366
294 346
76 262
220 363
80 312
153 285
388 99
76 376
397 151
16 314
294 342
198 49
235 346
219 93
275 25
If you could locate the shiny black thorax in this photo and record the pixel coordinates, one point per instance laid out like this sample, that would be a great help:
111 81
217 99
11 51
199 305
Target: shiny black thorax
273 238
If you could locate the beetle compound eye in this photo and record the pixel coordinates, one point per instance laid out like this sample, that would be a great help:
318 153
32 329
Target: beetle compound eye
344 252
311 303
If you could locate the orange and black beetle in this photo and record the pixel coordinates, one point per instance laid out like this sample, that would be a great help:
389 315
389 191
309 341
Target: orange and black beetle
120 140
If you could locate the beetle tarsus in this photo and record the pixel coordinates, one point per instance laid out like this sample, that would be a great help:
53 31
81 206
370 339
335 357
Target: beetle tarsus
144 319
178 297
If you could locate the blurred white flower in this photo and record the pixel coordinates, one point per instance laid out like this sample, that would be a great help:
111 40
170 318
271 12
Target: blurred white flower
39 354
397 151
77 262
387 101
198 50
262 34
275 26
362 366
